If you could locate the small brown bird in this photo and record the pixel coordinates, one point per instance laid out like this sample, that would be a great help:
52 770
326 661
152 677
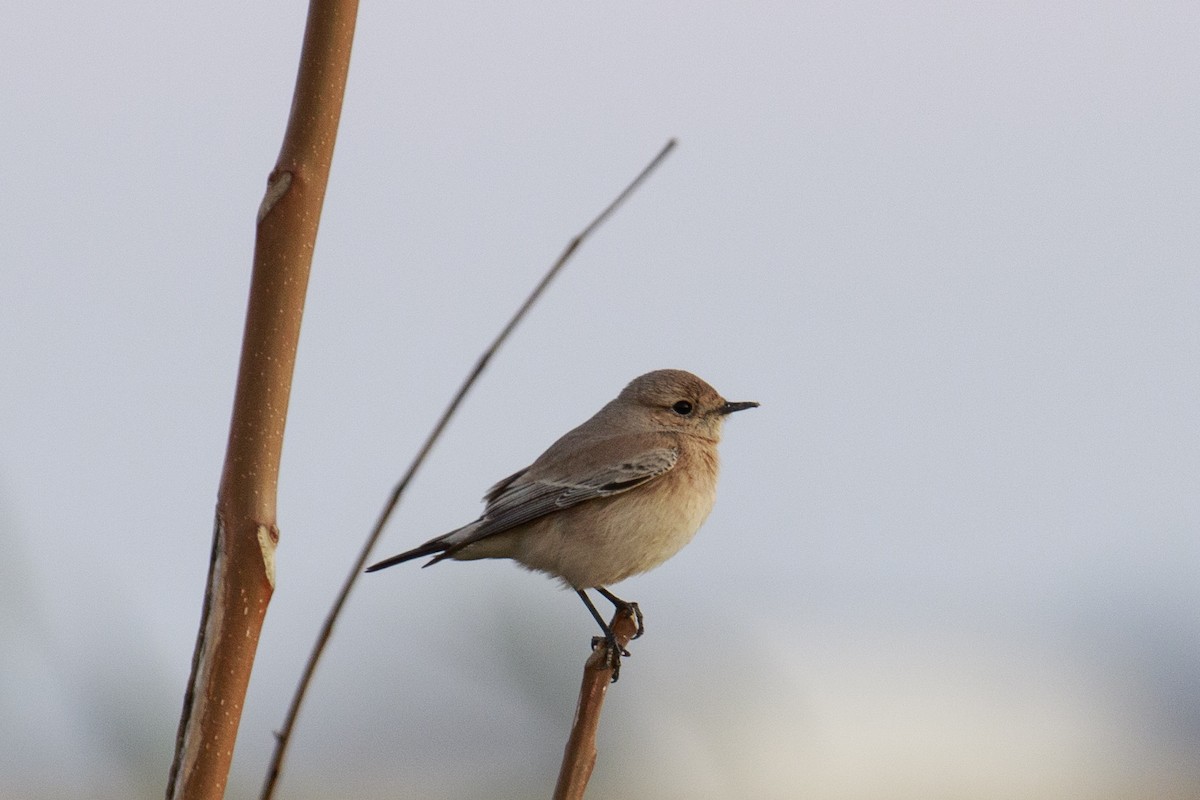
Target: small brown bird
616 496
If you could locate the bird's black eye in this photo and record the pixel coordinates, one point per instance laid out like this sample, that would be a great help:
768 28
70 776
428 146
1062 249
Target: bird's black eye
682 408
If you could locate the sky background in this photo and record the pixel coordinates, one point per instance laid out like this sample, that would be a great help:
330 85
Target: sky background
951 248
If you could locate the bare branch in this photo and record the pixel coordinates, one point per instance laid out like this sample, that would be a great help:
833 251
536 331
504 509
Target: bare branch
283 736
579 756
241 577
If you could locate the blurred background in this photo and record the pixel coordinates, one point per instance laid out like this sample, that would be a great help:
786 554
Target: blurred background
952 248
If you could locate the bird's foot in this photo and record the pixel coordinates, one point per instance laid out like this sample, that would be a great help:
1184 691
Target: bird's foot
612 653
631 608
628 607
641 621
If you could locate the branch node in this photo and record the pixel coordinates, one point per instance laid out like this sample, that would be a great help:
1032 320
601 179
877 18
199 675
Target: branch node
268 538
277 186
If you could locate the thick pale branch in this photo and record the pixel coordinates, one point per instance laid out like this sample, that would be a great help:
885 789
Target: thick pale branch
579 756
241 575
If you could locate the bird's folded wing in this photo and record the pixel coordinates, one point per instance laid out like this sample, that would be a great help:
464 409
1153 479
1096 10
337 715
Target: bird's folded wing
512 503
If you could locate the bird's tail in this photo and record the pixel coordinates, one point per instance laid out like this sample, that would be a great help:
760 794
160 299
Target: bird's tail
443 546
430 548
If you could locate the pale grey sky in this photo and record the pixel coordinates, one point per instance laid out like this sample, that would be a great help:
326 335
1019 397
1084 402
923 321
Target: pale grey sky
952 248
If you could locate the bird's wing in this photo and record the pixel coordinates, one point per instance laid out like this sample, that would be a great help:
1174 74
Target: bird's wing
501 486
513 502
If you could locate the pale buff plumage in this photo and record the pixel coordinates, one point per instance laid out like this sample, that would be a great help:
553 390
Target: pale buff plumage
616 496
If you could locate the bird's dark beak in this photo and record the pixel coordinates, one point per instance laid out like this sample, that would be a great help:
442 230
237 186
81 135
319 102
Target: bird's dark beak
729 408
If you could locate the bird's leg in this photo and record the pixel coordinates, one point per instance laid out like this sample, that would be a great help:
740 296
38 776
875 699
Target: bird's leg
615 651
627 606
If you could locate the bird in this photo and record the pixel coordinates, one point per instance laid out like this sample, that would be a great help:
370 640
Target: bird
614 497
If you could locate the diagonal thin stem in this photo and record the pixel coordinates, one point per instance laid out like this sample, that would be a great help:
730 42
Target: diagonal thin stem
284 734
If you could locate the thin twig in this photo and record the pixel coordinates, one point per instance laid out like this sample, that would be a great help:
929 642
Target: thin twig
579 756
283 736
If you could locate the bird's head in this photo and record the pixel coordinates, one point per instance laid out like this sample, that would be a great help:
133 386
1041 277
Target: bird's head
672 399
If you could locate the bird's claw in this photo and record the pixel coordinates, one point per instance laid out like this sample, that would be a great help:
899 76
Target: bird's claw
641 621
612 654
612 645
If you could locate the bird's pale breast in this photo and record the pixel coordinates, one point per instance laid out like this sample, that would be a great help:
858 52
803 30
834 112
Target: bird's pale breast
602 542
